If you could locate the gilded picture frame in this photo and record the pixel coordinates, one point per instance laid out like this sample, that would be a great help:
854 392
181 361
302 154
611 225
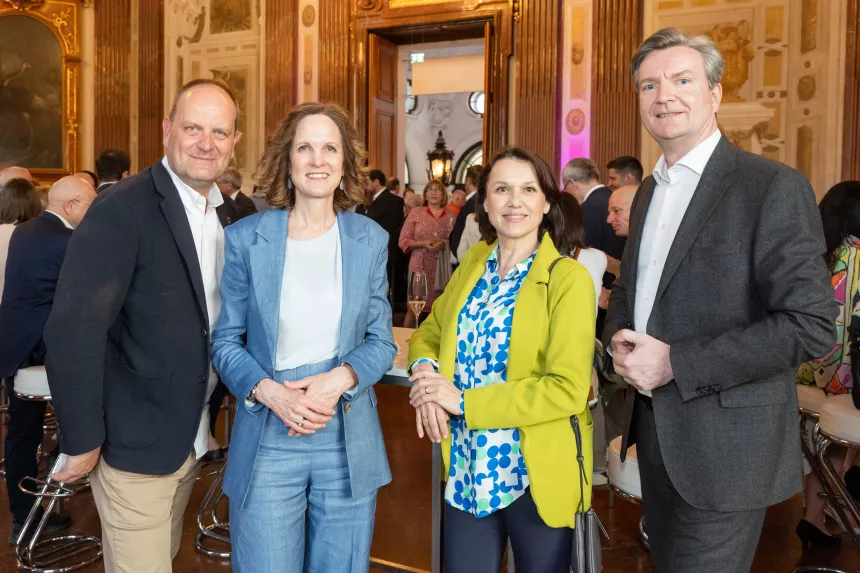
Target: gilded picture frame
40 83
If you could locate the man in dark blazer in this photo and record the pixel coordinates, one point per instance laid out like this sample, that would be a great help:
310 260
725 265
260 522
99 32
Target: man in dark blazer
36 252
231 185
723 293
112 166
473 178
581 178
129 335
386 208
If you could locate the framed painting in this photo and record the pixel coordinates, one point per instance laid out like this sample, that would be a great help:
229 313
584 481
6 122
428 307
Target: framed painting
40 83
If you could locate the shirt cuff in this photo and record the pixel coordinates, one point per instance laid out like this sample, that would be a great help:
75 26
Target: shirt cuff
434 363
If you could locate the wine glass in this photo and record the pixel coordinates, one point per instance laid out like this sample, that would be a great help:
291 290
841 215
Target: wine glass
416 293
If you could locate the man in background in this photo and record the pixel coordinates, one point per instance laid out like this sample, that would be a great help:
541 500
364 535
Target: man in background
112 166
36 253
624 170
386 208
231 185
473 177
14 172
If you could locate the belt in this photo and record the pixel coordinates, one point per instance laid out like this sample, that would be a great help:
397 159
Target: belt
646 400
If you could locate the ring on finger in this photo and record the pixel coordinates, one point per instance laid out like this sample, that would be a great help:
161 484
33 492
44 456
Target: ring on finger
427 390
302 423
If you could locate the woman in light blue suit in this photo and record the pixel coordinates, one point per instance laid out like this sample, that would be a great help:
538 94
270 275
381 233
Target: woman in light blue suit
303 335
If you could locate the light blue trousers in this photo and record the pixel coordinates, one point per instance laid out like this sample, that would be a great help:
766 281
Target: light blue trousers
299 515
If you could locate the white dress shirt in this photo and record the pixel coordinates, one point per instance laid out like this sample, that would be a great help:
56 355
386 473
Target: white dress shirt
590 191
311 301
61 218
672 195
208 238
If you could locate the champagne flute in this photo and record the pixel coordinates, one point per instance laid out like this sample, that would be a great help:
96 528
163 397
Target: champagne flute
416 294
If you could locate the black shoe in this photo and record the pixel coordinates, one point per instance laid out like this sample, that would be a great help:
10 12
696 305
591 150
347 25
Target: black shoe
212 456
810 536
852 482
56 522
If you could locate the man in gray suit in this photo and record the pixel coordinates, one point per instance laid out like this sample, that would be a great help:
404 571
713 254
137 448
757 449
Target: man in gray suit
723 292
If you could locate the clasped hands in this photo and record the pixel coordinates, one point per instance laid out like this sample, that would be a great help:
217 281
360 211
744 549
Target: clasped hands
306 405
434 398
642 360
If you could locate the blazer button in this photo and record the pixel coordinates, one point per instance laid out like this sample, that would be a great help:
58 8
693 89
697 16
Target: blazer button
201 379
347 407
205 332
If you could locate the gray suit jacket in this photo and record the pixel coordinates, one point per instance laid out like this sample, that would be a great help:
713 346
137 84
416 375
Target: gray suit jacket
744 298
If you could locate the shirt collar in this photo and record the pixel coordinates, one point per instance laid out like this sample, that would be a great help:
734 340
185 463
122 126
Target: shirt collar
378 193
470 195
590 191
695 160
61 218
188 195
520 269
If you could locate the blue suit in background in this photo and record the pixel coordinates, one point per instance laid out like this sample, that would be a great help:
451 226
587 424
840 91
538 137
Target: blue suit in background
36 253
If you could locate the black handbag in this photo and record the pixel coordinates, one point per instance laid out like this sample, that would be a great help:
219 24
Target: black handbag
586 555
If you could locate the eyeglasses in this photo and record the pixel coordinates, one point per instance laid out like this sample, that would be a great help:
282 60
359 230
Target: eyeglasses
81 202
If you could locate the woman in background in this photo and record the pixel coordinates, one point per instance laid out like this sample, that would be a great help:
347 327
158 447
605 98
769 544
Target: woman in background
19 202
423 236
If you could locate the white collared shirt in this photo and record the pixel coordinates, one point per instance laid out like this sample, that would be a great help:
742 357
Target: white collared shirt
235 194
208 238
672 195
590 191
378 193
61 218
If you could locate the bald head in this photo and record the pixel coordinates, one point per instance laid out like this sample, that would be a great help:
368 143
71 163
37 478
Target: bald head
70 197
619 209
14 172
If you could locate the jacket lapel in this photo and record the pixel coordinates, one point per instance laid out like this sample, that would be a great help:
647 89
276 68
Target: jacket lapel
267 256
355 268
530 311
177 220
640 212
712 186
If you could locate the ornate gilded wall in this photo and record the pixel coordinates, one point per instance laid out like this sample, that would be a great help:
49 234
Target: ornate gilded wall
788 57
575 81
220 39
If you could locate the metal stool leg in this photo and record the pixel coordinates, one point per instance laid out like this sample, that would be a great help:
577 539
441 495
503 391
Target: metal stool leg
217 530
822 443
54 555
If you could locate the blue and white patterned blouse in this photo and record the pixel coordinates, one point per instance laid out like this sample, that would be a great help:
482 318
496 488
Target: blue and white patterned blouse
487 470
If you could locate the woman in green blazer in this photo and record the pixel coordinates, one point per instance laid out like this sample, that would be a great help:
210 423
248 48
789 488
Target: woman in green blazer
506 354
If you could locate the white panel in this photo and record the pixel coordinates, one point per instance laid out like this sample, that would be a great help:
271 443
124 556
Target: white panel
448 75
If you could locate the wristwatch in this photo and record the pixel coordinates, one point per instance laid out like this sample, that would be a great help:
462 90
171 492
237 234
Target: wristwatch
251 398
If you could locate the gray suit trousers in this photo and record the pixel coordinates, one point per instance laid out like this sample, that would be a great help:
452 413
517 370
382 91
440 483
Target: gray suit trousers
685 539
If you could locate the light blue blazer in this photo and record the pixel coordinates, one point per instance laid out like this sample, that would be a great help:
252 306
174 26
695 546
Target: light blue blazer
245 339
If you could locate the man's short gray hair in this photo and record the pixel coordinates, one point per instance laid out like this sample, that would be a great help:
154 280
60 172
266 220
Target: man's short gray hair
581 170
673 38
233 177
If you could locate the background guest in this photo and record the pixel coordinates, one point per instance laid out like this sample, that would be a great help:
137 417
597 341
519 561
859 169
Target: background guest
473 176
387 210
840 216
89 177
624 170
112 166
304 334
14 172
19 203
231 185
424 236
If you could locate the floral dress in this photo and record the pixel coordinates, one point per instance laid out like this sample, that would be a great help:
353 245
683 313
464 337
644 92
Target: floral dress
832 373
422 225
487 471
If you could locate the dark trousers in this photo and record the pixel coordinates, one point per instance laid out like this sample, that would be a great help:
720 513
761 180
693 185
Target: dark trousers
476 545
686 539
22 443
215 401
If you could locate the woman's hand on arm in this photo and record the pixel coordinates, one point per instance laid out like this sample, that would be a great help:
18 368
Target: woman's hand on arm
431 387
301 413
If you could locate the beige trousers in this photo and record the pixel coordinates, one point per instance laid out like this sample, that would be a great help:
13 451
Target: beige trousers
141 516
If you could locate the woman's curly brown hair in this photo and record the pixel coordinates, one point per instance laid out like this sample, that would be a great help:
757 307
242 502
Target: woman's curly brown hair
274 168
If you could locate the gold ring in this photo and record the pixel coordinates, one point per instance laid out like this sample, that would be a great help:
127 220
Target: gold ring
427 390
302 423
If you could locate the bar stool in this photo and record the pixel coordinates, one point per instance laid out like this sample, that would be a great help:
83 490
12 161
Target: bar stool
624 481
57 554
217 532
838 423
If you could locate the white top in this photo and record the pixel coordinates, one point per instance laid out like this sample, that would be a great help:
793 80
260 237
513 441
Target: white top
594 262
5 236
311 301
378 193
208 238
471 235
672 195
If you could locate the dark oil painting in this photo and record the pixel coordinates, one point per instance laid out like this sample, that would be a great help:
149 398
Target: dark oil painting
31 94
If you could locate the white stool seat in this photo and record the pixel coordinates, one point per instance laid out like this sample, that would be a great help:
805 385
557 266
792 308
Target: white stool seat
33 381
624 475
840 419
810 398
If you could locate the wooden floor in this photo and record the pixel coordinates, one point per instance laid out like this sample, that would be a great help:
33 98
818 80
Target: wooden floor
402 532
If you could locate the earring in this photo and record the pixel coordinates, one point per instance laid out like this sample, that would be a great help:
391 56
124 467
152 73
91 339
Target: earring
289 183
341 184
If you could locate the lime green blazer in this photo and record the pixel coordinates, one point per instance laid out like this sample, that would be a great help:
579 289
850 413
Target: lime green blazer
549 372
